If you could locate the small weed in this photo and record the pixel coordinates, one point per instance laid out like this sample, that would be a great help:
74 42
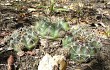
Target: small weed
52 4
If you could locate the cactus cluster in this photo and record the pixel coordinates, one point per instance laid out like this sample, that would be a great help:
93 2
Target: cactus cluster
28 37
82 44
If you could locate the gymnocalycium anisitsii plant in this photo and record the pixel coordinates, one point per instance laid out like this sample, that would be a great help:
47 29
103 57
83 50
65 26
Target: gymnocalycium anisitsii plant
80 49
29 37
80 52
24 38
51 30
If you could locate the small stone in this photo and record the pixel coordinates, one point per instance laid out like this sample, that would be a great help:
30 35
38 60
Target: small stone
61 61
1 49
77 69
48 62
9 48
31 9
44 42
20 53
31 53
108 5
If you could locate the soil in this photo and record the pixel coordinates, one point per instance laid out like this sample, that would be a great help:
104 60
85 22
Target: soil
16 15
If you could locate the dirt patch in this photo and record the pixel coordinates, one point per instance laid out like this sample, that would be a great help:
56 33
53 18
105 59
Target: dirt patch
12 19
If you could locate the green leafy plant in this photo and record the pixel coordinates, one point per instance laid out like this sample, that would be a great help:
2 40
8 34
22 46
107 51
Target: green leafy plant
52 4
52 7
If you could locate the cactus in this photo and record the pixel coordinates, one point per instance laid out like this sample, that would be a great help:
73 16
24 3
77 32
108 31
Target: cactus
64 25
48 29
27 37
66 42
54 32
82 45
42 28
82 53
23 38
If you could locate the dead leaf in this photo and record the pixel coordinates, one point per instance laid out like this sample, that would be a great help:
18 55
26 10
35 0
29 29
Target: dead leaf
47 63
4 34
61 61
10 62
102 24
2 41
31 53
57 62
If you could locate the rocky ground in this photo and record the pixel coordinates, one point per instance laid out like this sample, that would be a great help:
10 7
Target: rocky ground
91 18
